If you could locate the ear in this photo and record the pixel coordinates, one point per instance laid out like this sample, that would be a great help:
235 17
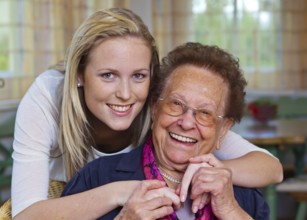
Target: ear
226 125
80 80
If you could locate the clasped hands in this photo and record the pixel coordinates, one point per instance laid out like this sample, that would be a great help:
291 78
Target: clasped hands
205 180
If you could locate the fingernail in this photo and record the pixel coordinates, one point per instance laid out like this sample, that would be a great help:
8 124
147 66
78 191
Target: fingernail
194 210
182 198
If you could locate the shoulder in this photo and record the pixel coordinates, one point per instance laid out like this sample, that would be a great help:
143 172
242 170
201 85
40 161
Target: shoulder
125 166
46 85
44 95
253 202
108 164
50 80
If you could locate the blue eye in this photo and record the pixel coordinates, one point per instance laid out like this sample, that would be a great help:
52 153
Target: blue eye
139 76
107 75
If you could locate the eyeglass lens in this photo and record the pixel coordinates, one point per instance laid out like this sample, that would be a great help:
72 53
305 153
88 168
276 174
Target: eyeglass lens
176 107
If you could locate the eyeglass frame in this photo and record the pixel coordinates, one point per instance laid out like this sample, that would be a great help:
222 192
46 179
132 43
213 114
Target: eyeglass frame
185 108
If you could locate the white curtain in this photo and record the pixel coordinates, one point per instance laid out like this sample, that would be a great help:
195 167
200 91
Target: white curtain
269 37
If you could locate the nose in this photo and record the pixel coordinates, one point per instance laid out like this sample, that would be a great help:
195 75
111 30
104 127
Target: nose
187 120
123 90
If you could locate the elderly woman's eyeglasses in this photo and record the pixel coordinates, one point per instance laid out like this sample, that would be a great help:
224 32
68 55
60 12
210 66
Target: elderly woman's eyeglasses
176 107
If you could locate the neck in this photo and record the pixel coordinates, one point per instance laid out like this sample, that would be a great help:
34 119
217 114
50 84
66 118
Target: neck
110 142
172 178
107 140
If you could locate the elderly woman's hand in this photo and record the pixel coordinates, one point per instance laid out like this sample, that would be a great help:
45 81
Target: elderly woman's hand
209 179
195 164
150 200
216 180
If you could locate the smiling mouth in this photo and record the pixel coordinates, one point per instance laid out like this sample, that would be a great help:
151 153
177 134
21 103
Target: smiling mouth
182 138
120 108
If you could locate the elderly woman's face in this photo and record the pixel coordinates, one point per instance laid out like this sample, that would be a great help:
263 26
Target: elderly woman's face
178 138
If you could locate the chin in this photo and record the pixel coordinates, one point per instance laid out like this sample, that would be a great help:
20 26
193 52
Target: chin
119 124
180 160
121 128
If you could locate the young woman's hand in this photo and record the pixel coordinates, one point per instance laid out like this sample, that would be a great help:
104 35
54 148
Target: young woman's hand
150 200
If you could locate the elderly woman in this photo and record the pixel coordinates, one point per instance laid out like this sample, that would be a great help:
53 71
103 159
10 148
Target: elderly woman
196 98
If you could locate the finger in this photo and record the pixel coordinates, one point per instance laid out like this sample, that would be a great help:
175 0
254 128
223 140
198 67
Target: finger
207 158
201 180
200 158
152 184
171 195
148 209
195 204
164 192
214 162
159 207
147 185
188 177
162 212
186 181
204 200
211 180
157 202
200 202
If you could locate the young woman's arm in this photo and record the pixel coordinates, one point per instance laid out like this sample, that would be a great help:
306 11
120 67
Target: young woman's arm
251 166
255 169
91 204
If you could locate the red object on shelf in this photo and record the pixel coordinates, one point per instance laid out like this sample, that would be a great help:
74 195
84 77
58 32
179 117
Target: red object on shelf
262 111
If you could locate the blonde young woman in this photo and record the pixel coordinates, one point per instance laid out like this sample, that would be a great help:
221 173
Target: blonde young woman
99 107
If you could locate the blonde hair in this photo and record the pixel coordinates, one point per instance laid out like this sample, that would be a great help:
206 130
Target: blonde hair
75 137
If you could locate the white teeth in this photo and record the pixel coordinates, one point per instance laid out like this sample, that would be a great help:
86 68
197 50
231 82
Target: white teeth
182 138
120 108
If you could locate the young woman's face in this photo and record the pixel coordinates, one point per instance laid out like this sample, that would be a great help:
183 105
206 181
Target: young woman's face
116 81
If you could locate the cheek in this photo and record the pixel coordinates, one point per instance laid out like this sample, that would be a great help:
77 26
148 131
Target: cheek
97 92
96 95
162 120
160 124
91 102
141 91
159 131
209 140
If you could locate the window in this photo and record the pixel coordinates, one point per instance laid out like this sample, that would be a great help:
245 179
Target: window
268 36
246 28
27 31
35 35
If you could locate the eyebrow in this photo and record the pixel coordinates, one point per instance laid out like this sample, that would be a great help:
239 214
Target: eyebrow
204 105
115 70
